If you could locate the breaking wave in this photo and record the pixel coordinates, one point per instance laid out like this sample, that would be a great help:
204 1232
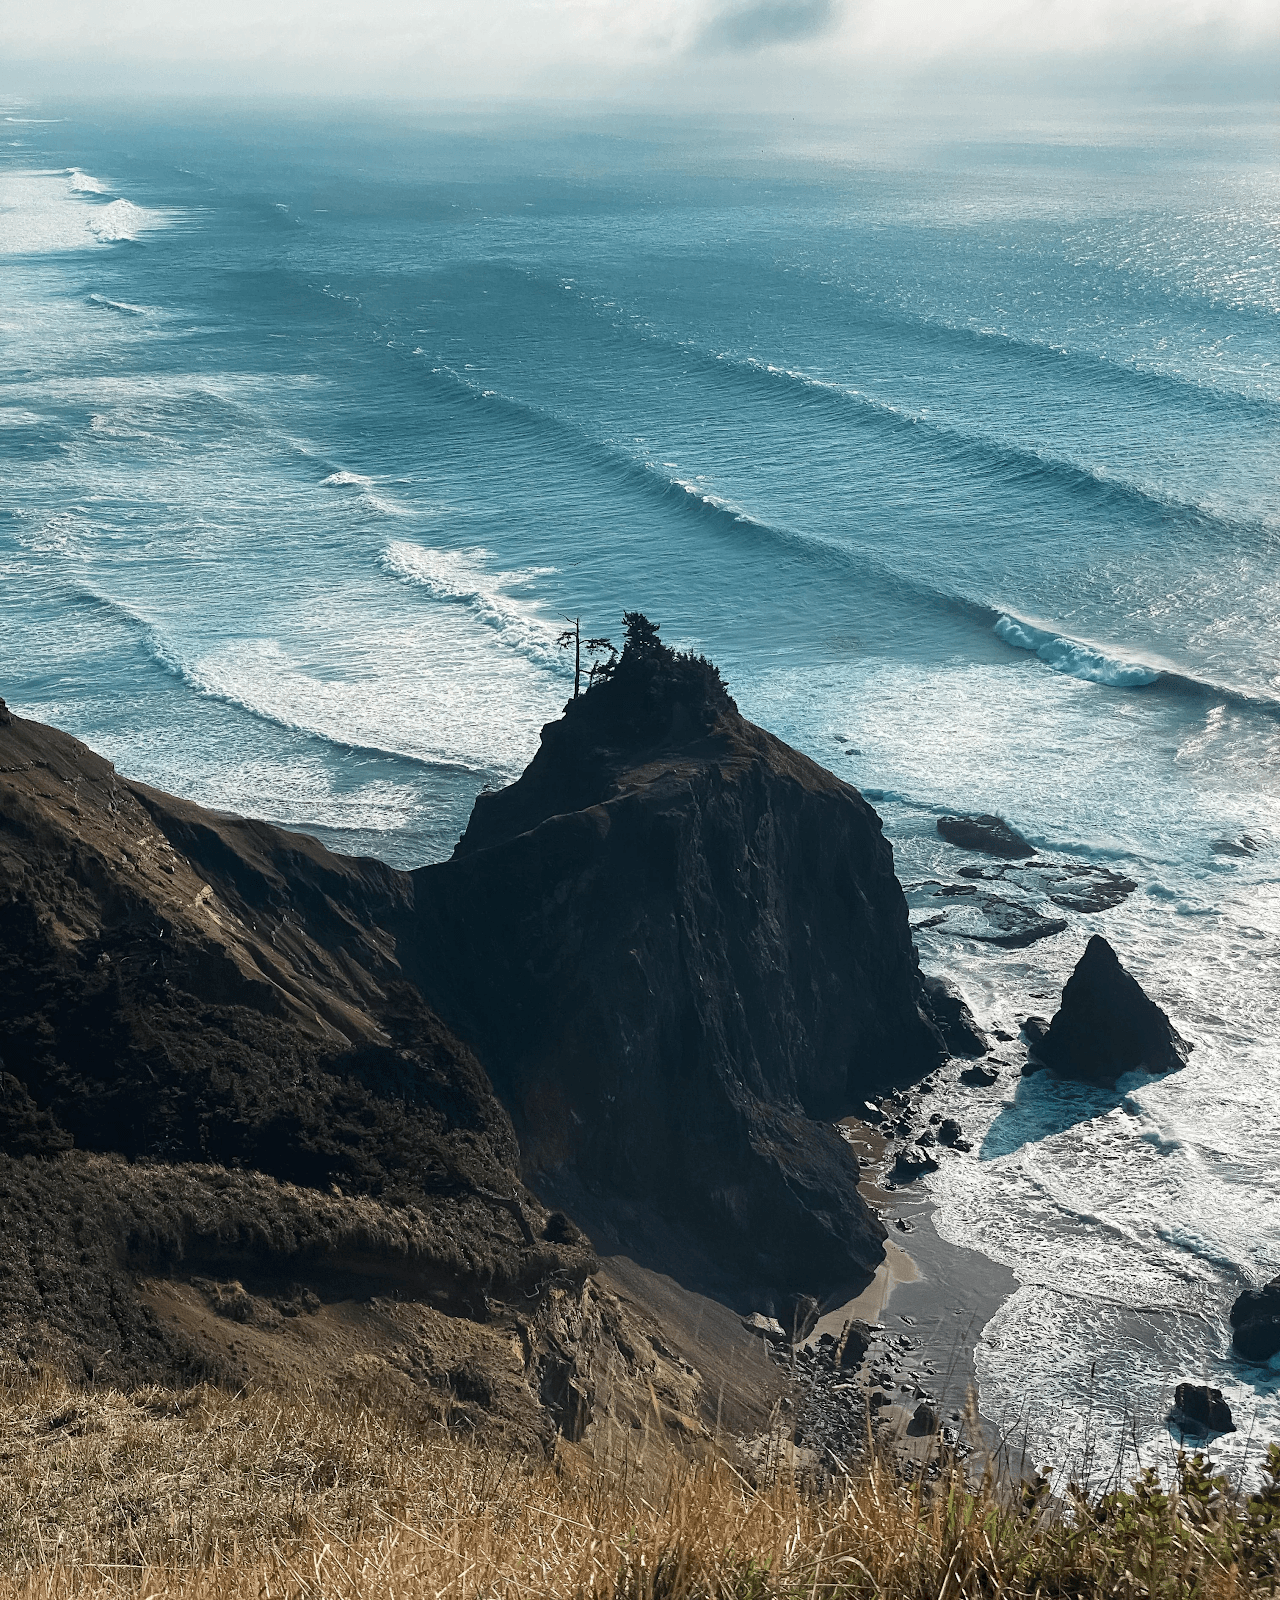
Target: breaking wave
462 577
1074 657
82 183
257 677
367 494
121 222
123 306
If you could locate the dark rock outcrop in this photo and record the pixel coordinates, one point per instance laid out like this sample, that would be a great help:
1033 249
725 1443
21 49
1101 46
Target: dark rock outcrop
1034 1030
991 835
1106 1025
979 1075
857 1341
912 1162
1203 1408
955 1022
1255 1321
680 950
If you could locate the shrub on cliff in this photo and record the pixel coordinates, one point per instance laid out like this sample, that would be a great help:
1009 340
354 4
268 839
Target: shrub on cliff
650 689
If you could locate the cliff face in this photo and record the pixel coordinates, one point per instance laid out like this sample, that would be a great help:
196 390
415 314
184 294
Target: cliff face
680 949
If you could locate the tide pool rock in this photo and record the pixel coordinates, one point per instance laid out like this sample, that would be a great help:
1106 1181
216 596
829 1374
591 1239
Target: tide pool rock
1106 1025
991 835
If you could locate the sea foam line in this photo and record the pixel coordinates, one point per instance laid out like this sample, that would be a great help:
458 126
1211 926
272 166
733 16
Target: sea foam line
217 678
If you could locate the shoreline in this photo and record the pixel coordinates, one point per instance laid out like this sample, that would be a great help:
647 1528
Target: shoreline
937 1296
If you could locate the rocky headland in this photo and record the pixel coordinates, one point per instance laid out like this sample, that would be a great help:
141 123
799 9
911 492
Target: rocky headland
681 951
589 1124
268 1110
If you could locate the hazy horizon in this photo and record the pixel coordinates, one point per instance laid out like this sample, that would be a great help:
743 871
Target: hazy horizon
816 58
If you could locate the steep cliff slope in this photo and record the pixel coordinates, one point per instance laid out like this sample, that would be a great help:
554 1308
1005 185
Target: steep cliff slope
223 1111
680 950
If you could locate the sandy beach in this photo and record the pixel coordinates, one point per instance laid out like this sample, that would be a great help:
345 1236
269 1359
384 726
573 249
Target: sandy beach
927 1304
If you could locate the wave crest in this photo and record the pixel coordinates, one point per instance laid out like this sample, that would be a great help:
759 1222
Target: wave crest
120 222
1074 657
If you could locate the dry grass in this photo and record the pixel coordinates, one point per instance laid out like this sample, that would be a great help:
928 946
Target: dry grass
205 1494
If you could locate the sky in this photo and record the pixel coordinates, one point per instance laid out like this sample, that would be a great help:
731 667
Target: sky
758 54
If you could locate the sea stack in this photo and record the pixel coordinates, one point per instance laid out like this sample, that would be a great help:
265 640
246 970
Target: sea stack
1106 1025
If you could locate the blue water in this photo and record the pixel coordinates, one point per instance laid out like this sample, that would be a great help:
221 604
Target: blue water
961 460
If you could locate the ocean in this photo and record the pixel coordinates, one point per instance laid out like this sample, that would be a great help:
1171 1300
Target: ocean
958 454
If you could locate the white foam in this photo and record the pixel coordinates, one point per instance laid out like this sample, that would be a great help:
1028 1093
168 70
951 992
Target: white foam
42 213
1074 657
125 306
120 221
343 480
465 576
83 183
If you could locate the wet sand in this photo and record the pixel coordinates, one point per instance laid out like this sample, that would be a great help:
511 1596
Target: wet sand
936 1295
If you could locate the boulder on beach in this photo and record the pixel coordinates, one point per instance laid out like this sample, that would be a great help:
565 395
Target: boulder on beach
1203 1408
766 1327
1106 1025
953 1018
925 1419
857 1341
913 1162
1255 1321
991 835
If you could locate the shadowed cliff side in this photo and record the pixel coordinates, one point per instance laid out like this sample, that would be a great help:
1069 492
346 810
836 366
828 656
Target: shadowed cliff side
680 949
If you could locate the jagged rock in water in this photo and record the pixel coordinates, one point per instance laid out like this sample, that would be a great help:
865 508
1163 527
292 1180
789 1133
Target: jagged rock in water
1255 1320
949 1131
1243 846
1034 1030
1106 1025
1087 888
955 1021
1013 924
991 835
979 1075
680 950
1202 1407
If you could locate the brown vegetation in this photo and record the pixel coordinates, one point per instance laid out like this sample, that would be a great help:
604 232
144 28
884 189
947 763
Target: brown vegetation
201 1493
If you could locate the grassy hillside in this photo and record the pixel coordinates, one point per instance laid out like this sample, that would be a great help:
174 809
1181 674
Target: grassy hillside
203 1493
